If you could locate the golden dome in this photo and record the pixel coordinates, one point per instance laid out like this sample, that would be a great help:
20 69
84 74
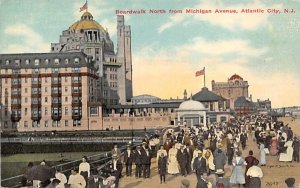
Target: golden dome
235 77
85 23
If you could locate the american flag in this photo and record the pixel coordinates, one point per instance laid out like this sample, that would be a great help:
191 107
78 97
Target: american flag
84 7
200 72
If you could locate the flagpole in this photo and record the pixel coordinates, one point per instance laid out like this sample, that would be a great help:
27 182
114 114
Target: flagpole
204 77
86 10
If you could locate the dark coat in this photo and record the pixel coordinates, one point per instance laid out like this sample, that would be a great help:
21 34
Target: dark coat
219 159
182 157
162 165
128 159
93 184
146 159
138 158
119 167
199 165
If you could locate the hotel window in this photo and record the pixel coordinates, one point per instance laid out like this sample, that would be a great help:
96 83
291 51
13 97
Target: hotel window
36 62
67 61
56 61
17 62
25 112
5 80
27 61
7 62
55 70
66 89
46 111
76 69
46 123
46 61
35 71
66 111
66 99
66 79
46 80
76 60
26 99
46 99
26 124
66 123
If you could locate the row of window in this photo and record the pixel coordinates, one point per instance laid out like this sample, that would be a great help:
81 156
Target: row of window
38 100
56 61
37 124
55 111
38 80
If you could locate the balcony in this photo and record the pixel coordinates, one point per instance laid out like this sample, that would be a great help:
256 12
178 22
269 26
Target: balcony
36 117
76 84
16 106
56 95
56 116
36 95
76 116
16 96
15 84
76 94
36 105
77 104
56 105
15 117
36 85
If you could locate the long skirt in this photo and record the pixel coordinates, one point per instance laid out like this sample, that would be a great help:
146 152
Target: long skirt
254 183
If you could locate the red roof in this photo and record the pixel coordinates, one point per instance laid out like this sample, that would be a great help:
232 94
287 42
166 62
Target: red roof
235 77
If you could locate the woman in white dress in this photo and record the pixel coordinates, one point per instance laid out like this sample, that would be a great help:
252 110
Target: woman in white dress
288 156
173 166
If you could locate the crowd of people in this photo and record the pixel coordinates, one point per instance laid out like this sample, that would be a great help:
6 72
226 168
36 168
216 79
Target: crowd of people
203 151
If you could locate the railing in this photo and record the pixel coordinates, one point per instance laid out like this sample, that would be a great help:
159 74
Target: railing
72 140
97 161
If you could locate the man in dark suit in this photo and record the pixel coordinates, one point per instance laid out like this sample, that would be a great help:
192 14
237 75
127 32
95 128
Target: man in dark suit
189 152
116 168
128 159
162 167
146 161
182 158
138 162
95 181
296 148
199 165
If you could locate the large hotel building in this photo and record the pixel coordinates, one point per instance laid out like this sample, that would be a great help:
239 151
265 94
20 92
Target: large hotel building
65 88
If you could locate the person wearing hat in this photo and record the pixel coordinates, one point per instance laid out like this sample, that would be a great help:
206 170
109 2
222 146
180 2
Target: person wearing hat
185 183
60 176
290 182
76 180
182 158
138 162
221 181
116 150
146 162
162 167
296 149
128 159
254 173
200 165
116 168
95 181
238 176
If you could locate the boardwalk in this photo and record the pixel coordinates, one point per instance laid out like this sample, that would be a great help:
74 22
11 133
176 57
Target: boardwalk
275 172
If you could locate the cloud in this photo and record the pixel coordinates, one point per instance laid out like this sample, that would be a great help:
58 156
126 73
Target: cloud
222 47
240 21
29 40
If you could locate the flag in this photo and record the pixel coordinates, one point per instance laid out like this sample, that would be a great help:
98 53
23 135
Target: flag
84 7
200 72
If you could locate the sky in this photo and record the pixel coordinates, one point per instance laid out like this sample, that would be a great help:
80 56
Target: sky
167 49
